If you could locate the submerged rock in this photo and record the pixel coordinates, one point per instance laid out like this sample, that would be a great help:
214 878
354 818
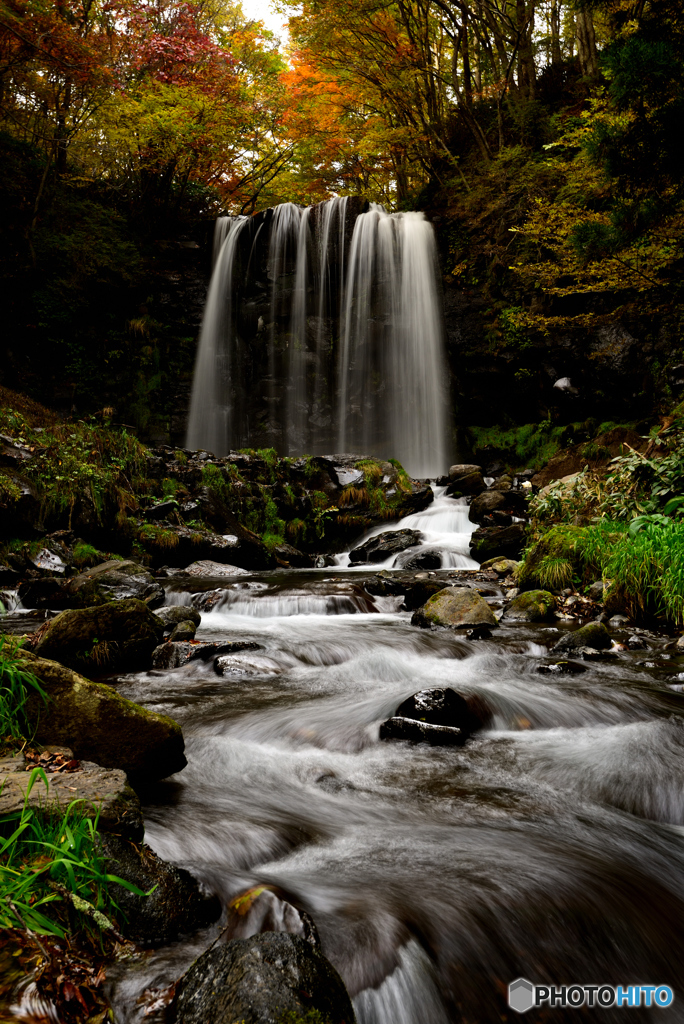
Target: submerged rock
594 636
262 980
379 548
458 607
174 903
100 725
112 637
531 606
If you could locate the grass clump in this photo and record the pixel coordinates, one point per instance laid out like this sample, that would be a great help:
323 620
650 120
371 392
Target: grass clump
530 445
17 685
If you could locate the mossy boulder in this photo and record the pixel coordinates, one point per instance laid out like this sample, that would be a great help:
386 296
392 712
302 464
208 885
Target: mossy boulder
263 979
531 606
100 725
109 581
551 563
457 607
594 635
501 566
116 636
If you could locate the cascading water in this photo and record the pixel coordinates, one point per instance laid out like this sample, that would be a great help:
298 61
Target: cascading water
319 336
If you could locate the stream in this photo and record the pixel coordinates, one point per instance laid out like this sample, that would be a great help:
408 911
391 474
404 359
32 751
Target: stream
551 846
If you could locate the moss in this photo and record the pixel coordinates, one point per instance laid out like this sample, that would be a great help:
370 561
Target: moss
181 457
85 555
156 537
403 480
372 470
551 563
10 493
528 446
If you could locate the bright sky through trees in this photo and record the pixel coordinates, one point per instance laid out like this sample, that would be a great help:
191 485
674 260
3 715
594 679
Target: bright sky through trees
264 11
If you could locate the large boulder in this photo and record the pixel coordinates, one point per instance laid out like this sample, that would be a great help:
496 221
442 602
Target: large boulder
593 635
262 980
116 636
100 725
458 607
465 480
174 903
488 541
103 791
381 547
484 504
531 606
109 581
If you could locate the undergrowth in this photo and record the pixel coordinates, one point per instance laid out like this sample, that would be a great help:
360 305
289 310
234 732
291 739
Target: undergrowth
17 684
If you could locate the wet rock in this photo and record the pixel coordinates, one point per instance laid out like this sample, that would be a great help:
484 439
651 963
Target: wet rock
446 707
116 581
183 631
500 541
502 483
425 560
172 614
162 510
422 732
531 606
484 505
636 643
8 575
594 636
501 566
380 548
48 561
478 633
104 791
205 567
287 555
173 655
561 668
116 636
466 480
100 725
458 607
592 654
261 980
176 905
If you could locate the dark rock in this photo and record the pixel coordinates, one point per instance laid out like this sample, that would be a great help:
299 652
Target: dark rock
172 614
162 510
379 548
116 636
100 725
176 905
422 732
259 981
484 504
429 559
592 654
594 636
287 555
446 707
562 668
506 541
596 591
478 633
8 575
502 483
636 643
183 631
458 607
466 480
531 606
173 655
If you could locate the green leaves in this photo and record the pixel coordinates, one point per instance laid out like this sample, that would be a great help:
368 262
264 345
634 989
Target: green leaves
16 686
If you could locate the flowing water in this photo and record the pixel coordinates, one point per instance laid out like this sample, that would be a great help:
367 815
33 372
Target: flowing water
551 846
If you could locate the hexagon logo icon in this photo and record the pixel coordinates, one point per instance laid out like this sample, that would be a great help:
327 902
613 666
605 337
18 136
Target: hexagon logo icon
521 995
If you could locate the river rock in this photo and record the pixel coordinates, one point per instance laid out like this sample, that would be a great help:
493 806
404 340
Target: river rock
531 606
594 636
104 791
205 567
398 728
175 906
429 559
501 566
458 607
100 725
262 980
446 707
379 548
465 480
112 637
261 910
505 541
484 504
596 591
173 655
172 614
116 581
183 631
562 668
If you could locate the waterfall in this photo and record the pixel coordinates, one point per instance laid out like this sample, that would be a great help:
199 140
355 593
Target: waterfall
322 331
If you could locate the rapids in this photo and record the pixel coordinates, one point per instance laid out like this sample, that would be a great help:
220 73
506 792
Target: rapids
551 846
